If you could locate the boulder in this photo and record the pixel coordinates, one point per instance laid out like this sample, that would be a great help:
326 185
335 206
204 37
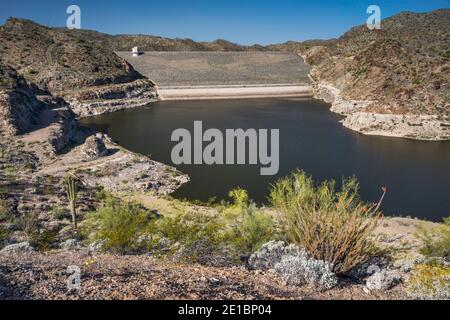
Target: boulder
267 256
17 248
383 280
69 244
94 148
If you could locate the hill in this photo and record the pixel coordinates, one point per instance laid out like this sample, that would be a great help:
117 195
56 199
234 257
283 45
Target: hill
68 64
392 81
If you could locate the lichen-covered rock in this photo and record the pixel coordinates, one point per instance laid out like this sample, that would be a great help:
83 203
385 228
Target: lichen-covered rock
300 269
94 148
97 246
17 248
383 280
70 244
267 256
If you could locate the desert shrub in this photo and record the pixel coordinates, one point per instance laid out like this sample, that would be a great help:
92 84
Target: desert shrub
4 235
240 227
250 227
59 213
436 242
119 224
187 228
333 226
429 282
44 240
29 224
447 221
4 212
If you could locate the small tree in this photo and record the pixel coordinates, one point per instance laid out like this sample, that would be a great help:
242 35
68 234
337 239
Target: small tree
71 192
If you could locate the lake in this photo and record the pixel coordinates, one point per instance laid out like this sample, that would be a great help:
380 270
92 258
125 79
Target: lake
416 173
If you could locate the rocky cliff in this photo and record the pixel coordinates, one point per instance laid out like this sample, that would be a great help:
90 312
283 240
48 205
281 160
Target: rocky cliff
25 108
19 108
393 81
69 65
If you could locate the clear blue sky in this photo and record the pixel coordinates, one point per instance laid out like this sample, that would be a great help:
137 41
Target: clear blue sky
242 21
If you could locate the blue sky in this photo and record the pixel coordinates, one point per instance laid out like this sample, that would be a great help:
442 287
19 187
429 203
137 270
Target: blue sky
244 21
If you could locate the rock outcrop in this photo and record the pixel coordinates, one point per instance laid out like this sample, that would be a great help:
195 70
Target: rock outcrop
412 126
105 99
17 248
94 148
19 108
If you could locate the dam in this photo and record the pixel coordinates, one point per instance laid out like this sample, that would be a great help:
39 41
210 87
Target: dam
192 75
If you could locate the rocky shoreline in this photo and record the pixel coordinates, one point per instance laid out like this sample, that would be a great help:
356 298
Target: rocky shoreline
417 127
106 99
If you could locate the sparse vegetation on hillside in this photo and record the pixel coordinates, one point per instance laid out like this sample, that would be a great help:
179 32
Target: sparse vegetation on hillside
59 59
404 67
128 227
436 243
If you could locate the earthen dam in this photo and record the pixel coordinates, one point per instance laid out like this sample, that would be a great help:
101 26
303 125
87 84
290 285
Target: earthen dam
223 75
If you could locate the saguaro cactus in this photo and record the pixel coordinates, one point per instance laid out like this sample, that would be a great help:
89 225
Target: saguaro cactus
71 191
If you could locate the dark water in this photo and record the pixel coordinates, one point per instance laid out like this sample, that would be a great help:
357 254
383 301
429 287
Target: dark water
416 173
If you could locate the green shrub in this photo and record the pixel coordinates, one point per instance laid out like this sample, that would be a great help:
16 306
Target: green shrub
4 213
29 224
447 221
429 282
240 227
117 223
436 242
188 227
59 213
334 226
250 226
44 240
4 234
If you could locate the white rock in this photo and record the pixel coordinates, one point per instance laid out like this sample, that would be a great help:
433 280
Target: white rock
69 244
17 248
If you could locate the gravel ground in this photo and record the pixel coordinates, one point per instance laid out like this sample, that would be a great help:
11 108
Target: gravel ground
219 68
44 276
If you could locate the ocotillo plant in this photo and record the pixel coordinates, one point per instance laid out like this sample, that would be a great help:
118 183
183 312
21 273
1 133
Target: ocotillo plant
71 191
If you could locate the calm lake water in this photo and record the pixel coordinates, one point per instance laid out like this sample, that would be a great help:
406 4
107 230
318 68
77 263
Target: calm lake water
416 173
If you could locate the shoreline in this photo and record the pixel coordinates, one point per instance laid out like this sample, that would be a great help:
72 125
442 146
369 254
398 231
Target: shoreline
382 124
407 126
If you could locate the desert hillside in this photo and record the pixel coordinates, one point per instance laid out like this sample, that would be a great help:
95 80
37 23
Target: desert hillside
402 70
91 77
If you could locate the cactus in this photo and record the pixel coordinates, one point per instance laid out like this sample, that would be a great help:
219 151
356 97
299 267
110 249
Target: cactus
71 191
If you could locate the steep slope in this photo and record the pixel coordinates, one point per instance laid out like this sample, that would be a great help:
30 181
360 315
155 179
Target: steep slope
73 67
19 108
393 81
